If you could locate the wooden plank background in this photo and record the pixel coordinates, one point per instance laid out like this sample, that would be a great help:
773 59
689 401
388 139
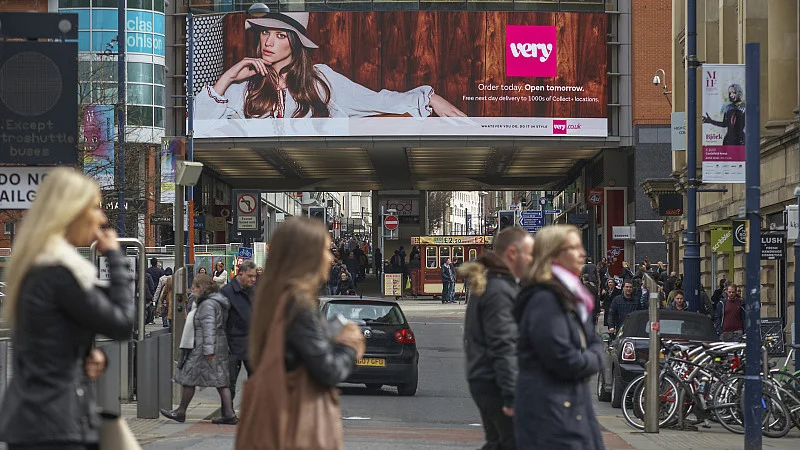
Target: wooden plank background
452 52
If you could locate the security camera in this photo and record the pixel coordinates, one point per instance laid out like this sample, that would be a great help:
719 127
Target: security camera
656 80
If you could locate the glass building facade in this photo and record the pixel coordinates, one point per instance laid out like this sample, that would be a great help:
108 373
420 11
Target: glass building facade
145 58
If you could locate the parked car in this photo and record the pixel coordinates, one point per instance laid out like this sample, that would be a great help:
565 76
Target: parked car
391 357
627 352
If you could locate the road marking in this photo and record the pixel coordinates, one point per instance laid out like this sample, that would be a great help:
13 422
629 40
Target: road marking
356 418
475 425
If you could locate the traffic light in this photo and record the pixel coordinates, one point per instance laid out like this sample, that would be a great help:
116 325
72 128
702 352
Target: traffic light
317 212
506 218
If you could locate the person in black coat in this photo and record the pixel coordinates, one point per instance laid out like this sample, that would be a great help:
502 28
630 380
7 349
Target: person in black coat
56 307
490 332
240 293
345 285
558 350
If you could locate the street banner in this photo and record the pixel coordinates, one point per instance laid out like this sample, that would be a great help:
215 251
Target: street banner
171 148
722 240
414 73
98 144
723 123
678 134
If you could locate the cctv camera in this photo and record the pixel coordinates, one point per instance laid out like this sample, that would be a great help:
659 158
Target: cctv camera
656 80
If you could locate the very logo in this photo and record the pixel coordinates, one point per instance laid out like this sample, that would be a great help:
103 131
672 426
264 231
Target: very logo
531 51
542 51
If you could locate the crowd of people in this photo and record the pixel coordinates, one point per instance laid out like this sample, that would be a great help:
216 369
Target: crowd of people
616 296
529 330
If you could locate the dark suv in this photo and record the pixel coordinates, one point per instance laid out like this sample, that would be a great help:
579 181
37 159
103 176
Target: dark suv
391 357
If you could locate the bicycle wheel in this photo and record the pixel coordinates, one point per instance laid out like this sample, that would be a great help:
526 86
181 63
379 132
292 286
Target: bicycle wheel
634 401
726 404
776 419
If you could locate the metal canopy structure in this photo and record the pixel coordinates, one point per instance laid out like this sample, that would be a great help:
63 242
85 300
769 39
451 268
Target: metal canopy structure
389 164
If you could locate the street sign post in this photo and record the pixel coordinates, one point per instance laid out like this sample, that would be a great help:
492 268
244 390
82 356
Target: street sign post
247 214
245 252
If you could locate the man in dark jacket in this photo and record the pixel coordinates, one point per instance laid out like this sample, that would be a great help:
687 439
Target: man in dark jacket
239 291
621 306
729 316
490 332
448 281
155 271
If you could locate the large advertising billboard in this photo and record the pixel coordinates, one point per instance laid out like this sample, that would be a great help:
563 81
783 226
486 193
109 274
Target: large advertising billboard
723 123
401 74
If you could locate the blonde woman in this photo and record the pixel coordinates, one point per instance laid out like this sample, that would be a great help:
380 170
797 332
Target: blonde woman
286 309
56 306
558 350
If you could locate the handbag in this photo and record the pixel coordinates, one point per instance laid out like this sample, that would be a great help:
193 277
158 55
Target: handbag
283 410
116 435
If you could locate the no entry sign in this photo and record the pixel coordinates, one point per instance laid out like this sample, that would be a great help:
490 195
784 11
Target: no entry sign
391 222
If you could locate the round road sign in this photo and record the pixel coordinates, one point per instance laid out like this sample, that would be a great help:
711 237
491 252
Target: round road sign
391 222
247 203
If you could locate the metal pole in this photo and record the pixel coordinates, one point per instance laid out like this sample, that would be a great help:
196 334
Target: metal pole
691 259
797 259
651 376
752 379
190 125
383 252
120 156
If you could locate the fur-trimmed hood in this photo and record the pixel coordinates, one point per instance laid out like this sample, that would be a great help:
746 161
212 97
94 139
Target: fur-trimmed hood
476 272
59 252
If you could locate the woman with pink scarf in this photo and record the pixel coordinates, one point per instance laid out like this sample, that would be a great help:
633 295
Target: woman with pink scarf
558 349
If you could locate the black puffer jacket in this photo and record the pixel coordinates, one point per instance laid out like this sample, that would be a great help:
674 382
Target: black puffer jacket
490 332
61 308
308 342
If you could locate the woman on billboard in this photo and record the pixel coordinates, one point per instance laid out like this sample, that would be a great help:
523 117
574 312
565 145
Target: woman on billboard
280 82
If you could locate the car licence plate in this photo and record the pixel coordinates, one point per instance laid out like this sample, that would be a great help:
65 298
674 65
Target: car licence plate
371 362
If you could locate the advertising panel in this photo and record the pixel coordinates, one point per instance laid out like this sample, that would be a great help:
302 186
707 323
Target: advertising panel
98 141
402 74
723 123
171 148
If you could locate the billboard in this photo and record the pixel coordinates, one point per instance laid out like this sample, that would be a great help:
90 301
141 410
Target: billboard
723 123
98 141
402 74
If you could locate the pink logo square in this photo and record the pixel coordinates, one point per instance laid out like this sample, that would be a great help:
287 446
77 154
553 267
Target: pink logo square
531 51
559 127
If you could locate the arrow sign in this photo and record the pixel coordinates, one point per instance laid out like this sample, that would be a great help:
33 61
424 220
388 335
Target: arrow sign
531 213
531 222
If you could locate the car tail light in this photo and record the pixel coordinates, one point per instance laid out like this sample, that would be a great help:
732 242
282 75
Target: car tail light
628 353
405 336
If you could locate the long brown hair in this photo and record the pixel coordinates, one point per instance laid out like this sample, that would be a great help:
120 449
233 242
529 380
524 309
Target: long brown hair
293 267
302 81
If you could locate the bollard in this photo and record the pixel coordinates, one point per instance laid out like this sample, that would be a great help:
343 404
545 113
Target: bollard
652 370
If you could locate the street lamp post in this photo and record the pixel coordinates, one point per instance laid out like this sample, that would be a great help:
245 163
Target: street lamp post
120 154
255 10
691 259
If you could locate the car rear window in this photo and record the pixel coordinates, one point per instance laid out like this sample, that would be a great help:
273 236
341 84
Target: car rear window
690 328
367 313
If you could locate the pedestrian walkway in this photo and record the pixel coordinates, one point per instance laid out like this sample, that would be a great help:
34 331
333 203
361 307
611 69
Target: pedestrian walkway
618 436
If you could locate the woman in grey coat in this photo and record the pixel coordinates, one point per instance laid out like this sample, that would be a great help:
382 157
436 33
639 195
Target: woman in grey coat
206 363
558 349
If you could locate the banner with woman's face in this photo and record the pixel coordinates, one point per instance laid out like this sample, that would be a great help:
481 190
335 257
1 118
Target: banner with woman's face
405 74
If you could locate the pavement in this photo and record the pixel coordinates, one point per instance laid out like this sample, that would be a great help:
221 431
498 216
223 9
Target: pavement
441 415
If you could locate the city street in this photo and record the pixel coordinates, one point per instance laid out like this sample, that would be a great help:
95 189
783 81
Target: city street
440 416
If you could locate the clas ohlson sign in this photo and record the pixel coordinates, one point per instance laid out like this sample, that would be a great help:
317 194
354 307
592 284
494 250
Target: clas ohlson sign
722 240
144 30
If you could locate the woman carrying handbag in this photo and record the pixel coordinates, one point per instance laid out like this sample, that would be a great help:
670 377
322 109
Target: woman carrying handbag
291 402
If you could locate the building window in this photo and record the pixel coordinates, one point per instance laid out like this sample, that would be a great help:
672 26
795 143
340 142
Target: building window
10 227
140 73
73 3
